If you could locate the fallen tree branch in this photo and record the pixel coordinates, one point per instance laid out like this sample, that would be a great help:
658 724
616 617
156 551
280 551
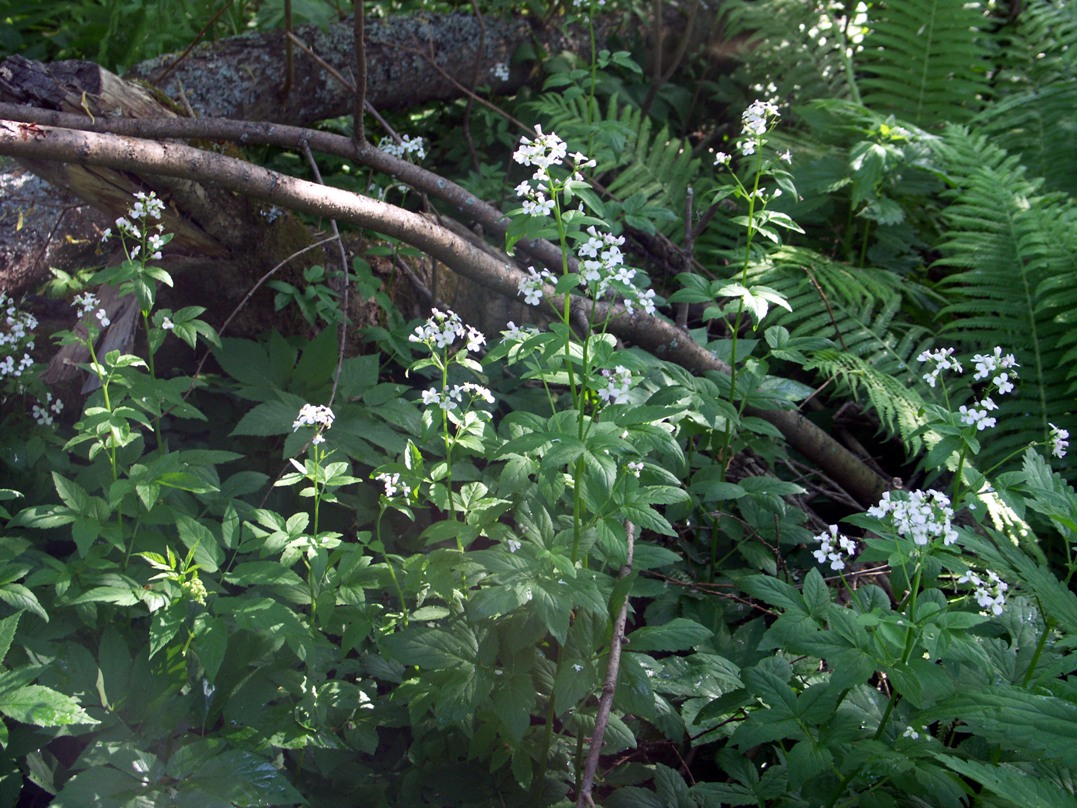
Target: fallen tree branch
660 337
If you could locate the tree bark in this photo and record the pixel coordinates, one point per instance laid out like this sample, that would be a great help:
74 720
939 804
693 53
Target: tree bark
410 61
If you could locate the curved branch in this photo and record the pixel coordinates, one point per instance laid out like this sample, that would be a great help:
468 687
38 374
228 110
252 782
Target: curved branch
658 336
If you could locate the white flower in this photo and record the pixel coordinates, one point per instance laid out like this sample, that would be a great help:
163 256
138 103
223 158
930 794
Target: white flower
472 389
786 157
167 324
542 152
986 364
1002 383
316 416
407 146
531 287
84 304
500 71
834 548
391 482
619 382
538 205
513 545
102 317
440 329
722 159
922 516
475 339
635 467
516 333
990 594
40 411
431 396
1059 441
910 733
943 361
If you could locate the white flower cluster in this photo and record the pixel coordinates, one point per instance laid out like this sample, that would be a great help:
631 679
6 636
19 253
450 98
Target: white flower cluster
544 151
618 384
317 416
392 484
43 412
518 333
997 366
87 302
531 286
602 264
990 592
942 360
602 268
635 467
500 71
443 327
756 120
834 547
922 516
136 225
451 397
1060 441
17 336
407 146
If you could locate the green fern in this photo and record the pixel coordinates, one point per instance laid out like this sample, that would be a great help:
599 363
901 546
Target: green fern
857 309
1040 125
924 60
785 46
1011 253
1038 48
896 403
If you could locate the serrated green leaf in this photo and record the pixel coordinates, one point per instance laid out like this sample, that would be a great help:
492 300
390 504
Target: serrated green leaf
679 634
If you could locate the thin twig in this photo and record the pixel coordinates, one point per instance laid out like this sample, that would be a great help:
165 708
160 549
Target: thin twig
343 335
609 686
336 74
186 51
491 106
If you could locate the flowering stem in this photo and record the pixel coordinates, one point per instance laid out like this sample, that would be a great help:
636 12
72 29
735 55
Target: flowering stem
910 636
389 565
752 197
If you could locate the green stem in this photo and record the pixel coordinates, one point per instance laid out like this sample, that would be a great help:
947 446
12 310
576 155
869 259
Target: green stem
392 571
1048 627
733 372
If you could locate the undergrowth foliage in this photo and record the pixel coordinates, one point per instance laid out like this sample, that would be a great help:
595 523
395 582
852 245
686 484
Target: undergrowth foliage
443 572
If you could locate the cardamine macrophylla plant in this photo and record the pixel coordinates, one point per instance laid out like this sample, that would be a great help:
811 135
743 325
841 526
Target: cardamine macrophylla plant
932 623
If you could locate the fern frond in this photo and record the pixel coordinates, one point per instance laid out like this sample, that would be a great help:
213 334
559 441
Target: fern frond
1038 49
924 60
784 47
1039 125
1012 256
896 403
857 310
